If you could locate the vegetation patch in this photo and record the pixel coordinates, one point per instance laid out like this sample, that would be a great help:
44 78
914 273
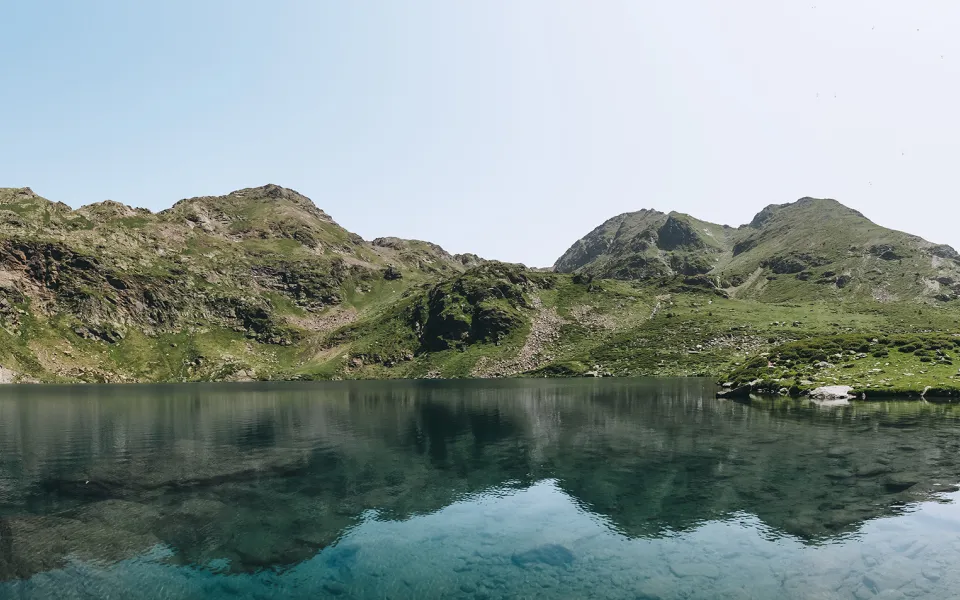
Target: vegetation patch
874 366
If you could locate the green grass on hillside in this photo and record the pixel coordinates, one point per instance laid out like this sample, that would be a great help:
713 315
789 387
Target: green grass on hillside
874 366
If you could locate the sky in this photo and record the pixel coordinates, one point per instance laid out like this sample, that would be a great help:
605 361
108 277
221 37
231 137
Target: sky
501 127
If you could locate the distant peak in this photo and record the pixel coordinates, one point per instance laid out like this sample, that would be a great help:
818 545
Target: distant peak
804 203
808 200
396 243
643 212
765 215
676 233
272 200
108 209
823 202
271 190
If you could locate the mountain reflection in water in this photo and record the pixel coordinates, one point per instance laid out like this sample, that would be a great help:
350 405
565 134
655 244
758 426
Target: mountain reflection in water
604 489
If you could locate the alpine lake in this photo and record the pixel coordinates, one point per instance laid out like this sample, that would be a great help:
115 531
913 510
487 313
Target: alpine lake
472 490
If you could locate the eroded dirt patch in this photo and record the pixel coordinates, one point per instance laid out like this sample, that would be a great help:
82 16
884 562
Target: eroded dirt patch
544 332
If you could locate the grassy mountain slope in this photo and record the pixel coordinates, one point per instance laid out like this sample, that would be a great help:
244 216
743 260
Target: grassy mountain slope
568 325
647 244
812 249
262 284
875 367
821 249
212 288
651 293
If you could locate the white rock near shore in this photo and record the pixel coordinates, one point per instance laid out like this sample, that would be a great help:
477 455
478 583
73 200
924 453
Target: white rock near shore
833 392
8 375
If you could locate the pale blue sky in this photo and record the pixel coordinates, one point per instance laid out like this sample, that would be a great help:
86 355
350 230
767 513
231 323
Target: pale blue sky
508 128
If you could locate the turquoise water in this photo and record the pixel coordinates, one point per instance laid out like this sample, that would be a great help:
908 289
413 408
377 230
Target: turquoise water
631 489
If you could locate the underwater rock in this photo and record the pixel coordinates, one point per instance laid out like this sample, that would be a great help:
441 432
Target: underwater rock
341 556
899 482
695 570
554 555
32 544
334 588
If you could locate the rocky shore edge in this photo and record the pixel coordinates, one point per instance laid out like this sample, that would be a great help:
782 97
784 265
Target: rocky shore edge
835 393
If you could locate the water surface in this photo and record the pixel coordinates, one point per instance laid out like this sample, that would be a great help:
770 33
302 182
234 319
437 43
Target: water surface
472 490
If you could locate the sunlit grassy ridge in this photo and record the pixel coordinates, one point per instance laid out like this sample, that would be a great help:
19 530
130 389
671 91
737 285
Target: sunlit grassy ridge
262 284
812 249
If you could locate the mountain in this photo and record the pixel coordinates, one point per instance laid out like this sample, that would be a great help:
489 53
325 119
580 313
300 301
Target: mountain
648 244
260 265
809 249
262 284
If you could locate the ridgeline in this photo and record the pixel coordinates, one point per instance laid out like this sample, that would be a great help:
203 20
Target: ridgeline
261 284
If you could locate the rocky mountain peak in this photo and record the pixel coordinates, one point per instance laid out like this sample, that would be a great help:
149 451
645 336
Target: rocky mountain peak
270 190
823 206
273 192
110 209
676 232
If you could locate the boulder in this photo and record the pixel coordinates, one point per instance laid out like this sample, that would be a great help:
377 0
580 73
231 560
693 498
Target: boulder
742 391
833 392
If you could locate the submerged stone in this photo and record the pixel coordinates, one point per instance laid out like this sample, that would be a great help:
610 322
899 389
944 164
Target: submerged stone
899 482
695 570
340 556
554 555
335 588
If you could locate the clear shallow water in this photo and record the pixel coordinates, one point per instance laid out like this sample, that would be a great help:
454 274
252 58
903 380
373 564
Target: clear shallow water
471 490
